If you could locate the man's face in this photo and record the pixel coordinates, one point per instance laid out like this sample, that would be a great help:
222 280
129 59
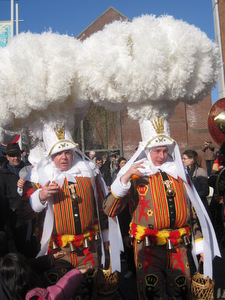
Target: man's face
99 163
91 155
14 159
159 155
63 160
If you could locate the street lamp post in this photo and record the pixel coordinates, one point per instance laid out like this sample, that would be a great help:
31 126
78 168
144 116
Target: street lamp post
17 19
12 18
221 82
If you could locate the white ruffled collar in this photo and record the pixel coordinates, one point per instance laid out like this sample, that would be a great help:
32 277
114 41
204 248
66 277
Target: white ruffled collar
46 171
150 169
79 169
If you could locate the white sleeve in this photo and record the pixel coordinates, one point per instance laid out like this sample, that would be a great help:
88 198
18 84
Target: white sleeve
35 203
199 247
120 189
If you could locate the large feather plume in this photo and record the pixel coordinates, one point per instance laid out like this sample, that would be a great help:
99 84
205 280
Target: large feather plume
145 66
38 82
148 65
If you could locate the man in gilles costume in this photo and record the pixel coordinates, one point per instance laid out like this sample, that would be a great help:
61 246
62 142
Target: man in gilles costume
163 203
71 191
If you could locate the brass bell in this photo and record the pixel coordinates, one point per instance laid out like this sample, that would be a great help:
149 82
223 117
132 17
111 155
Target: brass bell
131 239
169 245
72 249
170 192
74 196
96 236
86 243
54 246
186 240
147 242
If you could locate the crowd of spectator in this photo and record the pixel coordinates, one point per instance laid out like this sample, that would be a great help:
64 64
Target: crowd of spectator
19 245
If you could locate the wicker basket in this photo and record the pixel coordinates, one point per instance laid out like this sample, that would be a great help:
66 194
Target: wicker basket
107 283
202 288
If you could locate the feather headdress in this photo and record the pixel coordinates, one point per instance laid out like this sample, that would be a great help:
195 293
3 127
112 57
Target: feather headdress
146 66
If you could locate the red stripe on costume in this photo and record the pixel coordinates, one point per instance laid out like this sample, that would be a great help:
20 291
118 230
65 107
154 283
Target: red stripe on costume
63 211
74 260
143 206
64 219
89 257
157 197
113 208
57 214
165 217
68 221
87 204
159 201
83 192
180 202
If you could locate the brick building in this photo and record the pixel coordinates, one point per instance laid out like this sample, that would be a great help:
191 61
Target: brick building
219 27
188 123
221 6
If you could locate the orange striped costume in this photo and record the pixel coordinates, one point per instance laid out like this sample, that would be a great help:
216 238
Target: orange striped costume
152 217
76 220
76 229
74 216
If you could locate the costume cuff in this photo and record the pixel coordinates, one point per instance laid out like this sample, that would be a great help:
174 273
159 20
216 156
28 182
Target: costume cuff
35 203
105 235
120 189
199 246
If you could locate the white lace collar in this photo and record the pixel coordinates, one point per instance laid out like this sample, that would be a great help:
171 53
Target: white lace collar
46 171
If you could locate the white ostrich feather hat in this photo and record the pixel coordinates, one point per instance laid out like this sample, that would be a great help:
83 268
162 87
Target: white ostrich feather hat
156 133
57 139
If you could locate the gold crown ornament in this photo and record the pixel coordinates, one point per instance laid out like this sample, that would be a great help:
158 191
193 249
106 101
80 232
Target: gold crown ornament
60 133
57 139
158 124
155 134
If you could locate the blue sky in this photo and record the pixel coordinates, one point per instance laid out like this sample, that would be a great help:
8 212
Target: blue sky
73 16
